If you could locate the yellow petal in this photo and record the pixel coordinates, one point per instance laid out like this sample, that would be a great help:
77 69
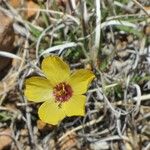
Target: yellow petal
49 112
75 106
80 81
55 69
37 89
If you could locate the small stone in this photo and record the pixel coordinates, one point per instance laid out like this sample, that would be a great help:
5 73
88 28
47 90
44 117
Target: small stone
120 45
7 37
69 142
40 124
5 139
130 38
15 3
147 30
24 132
32 9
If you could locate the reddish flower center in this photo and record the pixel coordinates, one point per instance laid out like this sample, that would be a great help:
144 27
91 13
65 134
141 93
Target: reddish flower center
62 92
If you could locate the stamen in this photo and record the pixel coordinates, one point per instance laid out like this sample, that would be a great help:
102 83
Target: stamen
62 92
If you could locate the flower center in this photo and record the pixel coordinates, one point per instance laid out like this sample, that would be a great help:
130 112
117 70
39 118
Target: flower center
62 92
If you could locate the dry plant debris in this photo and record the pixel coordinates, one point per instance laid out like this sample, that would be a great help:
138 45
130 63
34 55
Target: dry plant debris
110 38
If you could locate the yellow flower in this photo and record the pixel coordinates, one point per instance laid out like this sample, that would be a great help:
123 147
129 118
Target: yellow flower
61 91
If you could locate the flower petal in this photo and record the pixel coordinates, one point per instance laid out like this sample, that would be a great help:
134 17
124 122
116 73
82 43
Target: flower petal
50 112
80 80
75 106
37 89
55 69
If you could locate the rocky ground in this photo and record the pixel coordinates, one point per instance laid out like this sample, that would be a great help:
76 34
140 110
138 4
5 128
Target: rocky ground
111 38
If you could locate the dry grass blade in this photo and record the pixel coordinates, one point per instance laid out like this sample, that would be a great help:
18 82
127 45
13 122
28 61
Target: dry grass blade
9 55
98 24
59 48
